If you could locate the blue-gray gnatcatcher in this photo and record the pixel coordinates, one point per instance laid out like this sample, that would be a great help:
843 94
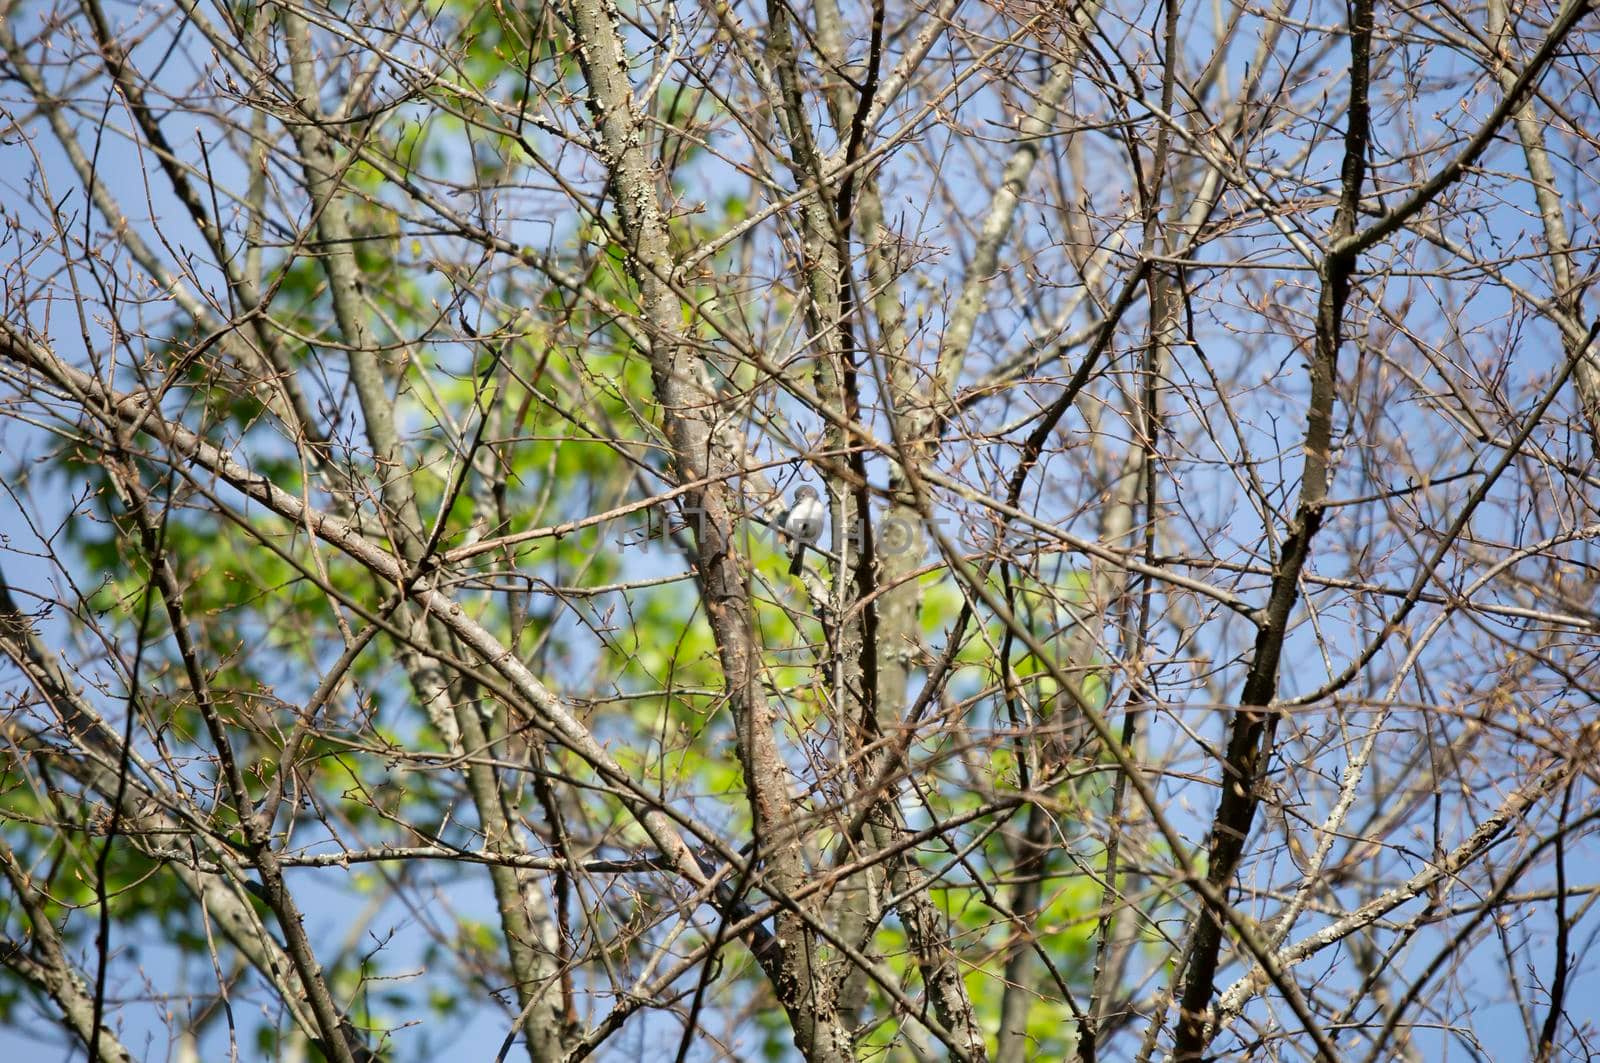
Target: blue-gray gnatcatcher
803 523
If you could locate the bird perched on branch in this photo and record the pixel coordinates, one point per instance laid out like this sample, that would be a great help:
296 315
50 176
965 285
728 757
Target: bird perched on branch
803 524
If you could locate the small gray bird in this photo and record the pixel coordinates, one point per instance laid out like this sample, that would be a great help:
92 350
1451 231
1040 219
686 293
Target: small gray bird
803 523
